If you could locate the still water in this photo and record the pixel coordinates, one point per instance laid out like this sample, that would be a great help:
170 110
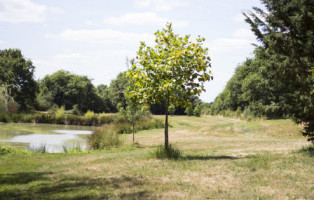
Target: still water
53 137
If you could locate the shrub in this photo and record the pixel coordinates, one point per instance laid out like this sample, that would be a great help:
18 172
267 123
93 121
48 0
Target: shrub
75 110
104 119
150 124
197 111
238 112
189 110
167 153
60 112
104 138
6 150
53 109
5 118
89 114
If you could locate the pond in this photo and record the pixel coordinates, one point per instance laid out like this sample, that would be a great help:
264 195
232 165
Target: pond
54 138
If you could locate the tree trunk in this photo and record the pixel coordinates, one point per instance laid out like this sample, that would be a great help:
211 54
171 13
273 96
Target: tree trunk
133 133
166 125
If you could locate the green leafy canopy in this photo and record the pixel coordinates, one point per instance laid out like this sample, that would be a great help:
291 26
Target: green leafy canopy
173 70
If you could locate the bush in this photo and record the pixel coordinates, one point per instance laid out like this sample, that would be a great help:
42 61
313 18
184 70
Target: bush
149 124
5 118
238 112
189 110
53 109
89 114
104 138
6 150
167 153
104 119
197 111
60 112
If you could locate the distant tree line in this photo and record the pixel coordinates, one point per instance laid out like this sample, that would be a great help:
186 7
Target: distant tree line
20 92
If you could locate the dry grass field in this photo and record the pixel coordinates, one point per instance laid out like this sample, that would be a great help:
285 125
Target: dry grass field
222 158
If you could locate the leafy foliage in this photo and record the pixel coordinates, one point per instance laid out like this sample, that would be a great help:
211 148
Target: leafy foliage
197 111
17 74
175 69
117 89
189 109
69 89
134 113
172 109
249 91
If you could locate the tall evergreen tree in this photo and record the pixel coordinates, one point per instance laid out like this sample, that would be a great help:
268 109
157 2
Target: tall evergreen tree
286 33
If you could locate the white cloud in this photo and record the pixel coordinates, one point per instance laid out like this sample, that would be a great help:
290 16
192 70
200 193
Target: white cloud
244 33
146 18
2 42
136 19
239 18
55 10
91 23
229 46
103 36
15 11
99 64
159 5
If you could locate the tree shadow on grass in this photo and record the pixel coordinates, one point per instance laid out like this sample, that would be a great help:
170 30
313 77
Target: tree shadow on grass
36 185
22 178
308 150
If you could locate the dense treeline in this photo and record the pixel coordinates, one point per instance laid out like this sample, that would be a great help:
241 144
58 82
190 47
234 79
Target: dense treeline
19 92
278 81
249 92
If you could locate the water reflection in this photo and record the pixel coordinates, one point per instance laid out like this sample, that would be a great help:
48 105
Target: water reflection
53 140
53 143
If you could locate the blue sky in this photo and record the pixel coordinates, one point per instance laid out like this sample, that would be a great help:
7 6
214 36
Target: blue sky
95 37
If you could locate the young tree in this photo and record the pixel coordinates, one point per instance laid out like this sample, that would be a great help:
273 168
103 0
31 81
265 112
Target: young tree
133 113
286 32
174 66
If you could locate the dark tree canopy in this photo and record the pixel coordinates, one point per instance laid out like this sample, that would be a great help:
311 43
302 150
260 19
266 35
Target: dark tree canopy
69 89
286 31
249 90
104 93
116 90
17 74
